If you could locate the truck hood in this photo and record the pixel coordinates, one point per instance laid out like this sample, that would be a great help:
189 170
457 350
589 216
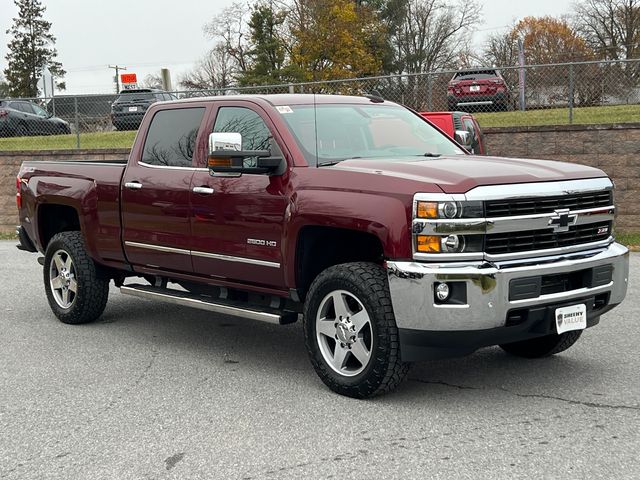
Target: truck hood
461 173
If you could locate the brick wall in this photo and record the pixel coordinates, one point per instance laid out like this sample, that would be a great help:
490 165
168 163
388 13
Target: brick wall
612 148
10 164
615 149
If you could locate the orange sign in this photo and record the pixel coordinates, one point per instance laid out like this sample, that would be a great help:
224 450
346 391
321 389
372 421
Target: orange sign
128 78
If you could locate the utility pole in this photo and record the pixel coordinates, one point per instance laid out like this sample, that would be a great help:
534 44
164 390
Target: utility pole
117 68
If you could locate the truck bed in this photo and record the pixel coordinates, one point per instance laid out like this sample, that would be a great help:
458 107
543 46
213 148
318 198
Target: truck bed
91 188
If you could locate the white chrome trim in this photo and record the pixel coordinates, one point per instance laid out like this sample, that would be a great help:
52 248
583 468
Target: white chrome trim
159 248
541 189
167 167
215 256
230 258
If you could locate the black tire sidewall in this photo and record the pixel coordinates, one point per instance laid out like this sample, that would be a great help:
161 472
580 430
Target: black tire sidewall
92 291
367 382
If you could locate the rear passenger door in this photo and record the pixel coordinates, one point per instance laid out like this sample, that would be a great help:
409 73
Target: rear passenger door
155 191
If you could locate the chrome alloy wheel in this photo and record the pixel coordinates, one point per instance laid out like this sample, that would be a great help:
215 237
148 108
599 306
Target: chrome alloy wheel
343 333
62 279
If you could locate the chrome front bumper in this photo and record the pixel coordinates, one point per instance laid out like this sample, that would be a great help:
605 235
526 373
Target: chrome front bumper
487 285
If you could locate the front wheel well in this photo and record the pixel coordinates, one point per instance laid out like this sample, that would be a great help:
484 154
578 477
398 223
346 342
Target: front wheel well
53 219
319 248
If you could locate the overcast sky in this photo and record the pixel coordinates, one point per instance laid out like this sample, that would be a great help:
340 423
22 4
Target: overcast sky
146 36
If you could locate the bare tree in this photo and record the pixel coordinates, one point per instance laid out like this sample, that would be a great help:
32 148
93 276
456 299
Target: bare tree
214 71
611 27
153 80
432 33
230 27
501 49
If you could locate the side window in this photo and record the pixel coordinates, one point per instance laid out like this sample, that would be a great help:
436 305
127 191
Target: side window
25 107
471 128
39 111
171 139
246 122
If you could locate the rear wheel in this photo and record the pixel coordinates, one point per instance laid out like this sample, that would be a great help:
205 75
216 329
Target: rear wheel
75 291
542 346
351 333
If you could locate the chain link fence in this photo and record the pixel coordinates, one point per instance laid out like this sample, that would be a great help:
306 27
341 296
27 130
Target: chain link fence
555 94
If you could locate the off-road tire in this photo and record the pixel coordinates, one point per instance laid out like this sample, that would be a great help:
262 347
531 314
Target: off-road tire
542 346
93 290
385 370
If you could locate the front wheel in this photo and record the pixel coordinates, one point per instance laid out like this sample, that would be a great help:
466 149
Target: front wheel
351 333
75 291
542 346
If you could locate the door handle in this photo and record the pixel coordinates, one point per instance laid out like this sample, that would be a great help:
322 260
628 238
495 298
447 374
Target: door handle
203 190
133 185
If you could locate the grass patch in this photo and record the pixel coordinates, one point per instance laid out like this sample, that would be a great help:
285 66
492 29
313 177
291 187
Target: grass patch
8 236
631 240
560 116
96 140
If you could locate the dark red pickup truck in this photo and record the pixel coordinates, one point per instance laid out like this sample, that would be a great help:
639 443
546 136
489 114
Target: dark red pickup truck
393 243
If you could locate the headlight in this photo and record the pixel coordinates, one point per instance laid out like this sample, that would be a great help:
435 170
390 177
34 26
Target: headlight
449 210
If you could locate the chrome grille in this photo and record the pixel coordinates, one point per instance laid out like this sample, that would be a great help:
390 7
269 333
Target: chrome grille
523 241
533 205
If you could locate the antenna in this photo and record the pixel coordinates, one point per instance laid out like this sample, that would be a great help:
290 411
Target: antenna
315 123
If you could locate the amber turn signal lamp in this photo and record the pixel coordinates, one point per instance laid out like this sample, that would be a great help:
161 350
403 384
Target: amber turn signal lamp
219 162
428 243
427 210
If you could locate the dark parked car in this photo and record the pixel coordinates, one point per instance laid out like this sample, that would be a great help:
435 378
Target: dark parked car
21 118
483 89
130 106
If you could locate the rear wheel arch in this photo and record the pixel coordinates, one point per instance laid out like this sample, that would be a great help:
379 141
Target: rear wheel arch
54 219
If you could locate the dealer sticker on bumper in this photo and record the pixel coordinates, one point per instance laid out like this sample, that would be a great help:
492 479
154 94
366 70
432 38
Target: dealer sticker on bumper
571 318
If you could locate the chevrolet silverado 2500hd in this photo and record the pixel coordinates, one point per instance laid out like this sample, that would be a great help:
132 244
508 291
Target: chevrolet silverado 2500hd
393 243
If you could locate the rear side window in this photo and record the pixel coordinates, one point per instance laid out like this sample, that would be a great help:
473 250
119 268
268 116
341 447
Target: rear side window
475 136
23 107
171 139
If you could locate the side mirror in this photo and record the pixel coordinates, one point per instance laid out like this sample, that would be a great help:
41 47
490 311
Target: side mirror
463 138
226 156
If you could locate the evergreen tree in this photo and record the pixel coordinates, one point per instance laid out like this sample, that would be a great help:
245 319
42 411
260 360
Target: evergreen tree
267 51
31 48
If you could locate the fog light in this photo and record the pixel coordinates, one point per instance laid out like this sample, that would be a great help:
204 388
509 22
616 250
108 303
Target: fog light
442 291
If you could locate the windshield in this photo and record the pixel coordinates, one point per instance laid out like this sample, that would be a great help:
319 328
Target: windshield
363 131
476 75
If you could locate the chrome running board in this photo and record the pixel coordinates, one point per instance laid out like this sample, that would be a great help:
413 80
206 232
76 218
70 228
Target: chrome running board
202 302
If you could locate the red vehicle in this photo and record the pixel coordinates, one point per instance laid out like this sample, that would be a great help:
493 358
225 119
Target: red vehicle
462 127
483 89
393 243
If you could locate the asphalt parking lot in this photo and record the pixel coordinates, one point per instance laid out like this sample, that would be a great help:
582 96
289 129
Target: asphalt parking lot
155 391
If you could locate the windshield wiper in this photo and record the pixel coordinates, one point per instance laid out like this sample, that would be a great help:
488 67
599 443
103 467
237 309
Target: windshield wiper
431 155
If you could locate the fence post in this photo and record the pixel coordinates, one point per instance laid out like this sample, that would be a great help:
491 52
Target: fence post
75 108
571 80
429 93
291 88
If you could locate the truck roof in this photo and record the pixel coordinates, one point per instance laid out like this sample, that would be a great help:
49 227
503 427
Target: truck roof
290 99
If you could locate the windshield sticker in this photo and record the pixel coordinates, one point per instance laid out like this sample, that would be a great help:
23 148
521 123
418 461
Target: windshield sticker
284 109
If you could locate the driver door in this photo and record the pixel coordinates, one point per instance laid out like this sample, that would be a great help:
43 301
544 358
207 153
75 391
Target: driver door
237 220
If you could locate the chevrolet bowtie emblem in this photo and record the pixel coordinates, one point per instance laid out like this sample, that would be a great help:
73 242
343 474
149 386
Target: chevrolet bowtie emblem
561 220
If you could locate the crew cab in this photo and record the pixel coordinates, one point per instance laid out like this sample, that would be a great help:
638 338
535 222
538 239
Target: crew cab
461 126
357 215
